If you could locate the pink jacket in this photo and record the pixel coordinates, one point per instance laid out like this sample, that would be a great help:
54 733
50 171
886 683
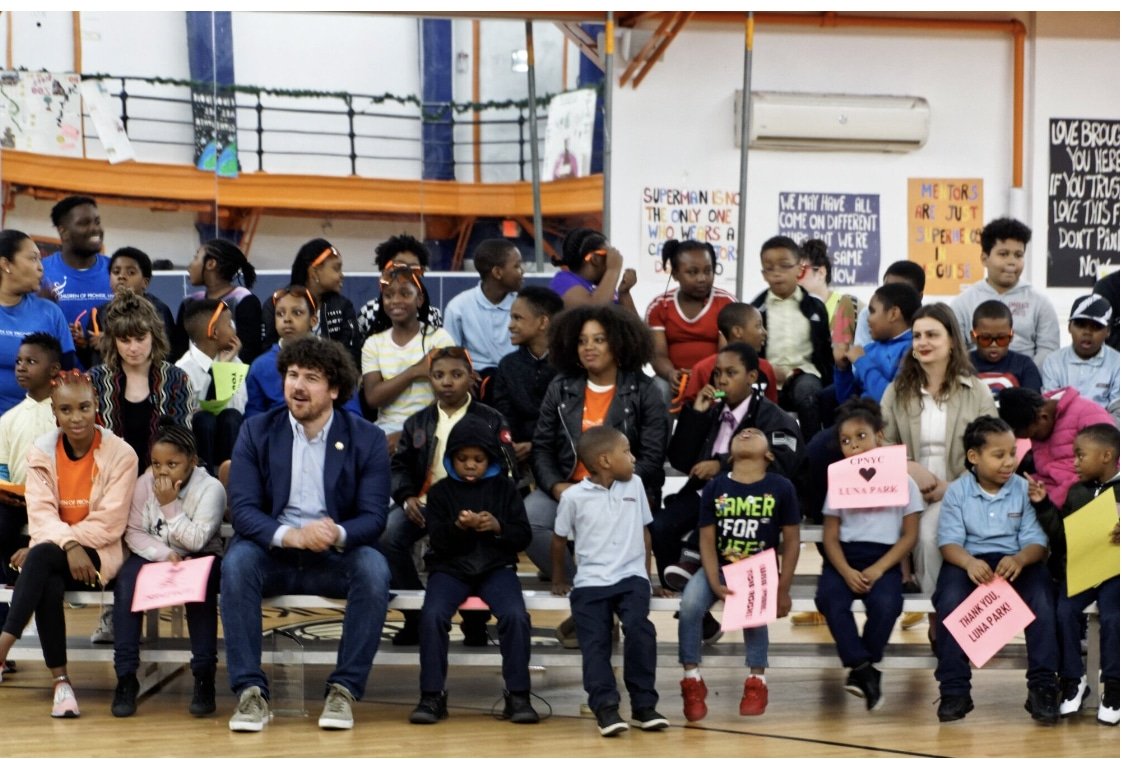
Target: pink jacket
1054 458
114 478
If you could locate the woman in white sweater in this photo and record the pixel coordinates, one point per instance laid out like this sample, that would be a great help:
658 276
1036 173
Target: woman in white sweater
176 514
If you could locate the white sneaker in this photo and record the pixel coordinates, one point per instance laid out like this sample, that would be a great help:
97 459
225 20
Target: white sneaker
1108 704
337 713
104 631
65 703
1072 695
252 713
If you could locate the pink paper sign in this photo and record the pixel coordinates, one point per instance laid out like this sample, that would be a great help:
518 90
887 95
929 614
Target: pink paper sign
161 583
988 619
753 585
1024 445
872 479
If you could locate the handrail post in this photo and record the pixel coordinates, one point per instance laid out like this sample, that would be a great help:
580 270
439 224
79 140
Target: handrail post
260 135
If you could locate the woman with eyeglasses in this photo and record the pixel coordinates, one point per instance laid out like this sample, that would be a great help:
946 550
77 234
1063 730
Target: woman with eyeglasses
78 498
395 370
319 267
593 272
926 408
215 267
408 251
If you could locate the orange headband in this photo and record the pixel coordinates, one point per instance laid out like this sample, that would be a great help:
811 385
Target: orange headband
329 251
211 327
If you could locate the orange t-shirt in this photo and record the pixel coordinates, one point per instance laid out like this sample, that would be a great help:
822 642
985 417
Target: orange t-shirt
75 481
596 404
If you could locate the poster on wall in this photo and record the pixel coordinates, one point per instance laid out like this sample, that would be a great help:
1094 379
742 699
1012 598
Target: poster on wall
216 129
568 135
705 215
848 224
945 220
108 125
41 112
1083 209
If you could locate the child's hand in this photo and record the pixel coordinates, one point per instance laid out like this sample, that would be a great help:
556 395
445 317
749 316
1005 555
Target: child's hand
856 581
522 450
466 520
627 281
721 592
78 334
165 489
660 592
783 604
1114 534
1009 567
485 522
706 470
840 359
705 399
978 571
230 352
20 556
415 511
855 352
174 558
871 575
559 588
1036 491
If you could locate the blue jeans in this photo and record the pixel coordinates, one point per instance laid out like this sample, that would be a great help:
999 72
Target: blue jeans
202 622
630 600
501 591
396 545
250 573
1069 614
541 511
1035 588
883 604
697 599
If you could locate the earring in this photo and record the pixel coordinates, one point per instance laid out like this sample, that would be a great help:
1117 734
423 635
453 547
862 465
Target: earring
915 355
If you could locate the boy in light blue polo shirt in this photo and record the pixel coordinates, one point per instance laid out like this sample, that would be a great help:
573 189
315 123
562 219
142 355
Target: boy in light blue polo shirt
1087 364
479 319
606 515
988 527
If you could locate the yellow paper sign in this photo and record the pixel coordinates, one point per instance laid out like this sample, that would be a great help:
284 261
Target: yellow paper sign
1091 557
945 219
228 377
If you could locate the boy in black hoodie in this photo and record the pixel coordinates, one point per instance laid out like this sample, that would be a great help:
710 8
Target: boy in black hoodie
477 525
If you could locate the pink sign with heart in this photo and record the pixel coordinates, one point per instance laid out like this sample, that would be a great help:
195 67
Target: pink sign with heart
872 479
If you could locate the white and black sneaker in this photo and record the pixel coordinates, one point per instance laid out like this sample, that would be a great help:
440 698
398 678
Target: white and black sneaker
1072 695
864 680
1108 704
609 721
649 719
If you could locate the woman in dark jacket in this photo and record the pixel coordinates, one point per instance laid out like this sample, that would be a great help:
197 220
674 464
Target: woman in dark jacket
319 268
599 352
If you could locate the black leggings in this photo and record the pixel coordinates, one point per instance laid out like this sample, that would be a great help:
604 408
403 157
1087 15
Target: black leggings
44 578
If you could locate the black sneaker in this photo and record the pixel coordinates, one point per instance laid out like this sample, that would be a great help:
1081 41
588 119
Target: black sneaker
432 708
609 721
202 700
475 633
649 719
864 680
954 707
517 708
1042 704
410 632
711 631
124 696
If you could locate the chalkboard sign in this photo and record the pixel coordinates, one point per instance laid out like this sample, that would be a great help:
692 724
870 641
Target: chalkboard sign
1083 208
848 224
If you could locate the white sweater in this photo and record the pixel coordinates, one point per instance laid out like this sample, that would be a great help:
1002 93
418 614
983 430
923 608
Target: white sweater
187 525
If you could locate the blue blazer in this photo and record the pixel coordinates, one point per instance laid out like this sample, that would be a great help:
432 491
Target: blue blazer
356 477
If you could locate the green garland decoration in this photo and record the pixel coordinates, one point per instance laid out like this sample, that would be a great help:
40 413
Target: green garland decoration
429 111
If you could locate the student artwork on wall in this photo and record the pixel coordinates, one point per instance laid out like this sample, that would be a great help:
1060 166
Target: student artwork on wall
682 213
945 220
848 224
41 112
1083 207
568 135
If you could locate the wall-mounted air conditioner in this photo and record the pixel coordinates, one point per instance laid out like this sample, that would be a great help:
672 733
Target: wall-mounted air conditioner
819 121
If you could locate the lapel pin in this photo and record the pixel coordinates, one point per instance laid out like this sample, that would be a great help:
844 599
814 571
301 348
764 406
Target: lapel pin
339 446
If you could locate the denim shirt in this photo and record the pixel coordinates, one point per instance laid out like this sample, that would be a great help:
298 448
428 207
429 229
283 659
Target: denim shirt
986 523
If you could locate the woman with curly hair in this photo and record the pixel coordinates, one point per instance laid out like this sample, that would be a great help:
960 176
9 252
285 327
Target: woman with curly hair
599 352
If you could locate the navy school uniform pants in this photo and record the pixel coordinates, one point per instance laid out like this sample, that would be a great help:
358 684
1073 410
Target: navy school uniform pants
883 604
1069 617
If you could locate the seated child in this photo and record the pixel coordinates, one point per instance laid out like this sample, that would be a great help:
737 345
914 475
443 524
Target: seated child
906 272
866 371
77 509
998 366
418 463
294 313
737 323
605 515
479 318
523 376
700 446
38 361
988 527
477 525
1087 364
1096 462
176 513
129 269
750 500
210 327
863 550
1051 421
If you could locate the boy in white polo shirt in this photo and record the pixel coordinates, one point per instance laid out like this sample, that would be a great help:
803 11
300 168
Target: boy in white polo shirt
606 515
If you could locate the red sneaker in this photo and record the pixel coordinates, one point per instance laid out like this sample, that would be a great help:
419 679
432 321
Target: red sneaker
693 699
755 697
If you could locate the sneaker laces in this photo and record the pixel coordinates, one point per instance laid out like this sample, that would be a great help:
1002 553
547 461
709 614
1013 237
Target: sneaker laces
497 713
337 701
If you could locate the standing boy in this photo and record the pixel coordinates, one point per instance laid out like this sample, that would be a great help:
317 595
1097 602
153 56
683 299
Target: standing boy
606 515
1036 330
1087 364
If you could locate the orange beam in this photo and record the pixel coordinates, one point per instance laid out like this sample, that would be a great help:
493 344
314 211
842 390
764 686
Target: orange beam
582 41
76 25
679 24
641 56
315 194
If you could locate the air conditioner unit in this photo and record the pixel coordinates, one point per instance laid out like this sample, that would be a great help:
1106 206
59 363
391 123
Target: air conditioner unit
819 121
